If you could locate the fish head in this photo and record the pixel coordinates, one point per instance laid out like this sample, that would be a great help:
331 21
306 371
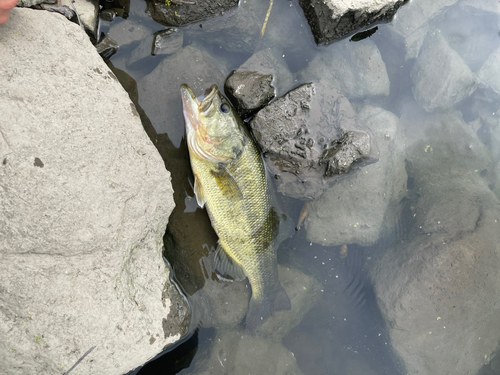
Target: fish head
214 130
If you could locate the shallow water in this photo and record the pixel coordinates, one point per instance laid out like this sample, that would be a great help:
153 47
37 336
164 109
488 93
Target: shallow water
343 331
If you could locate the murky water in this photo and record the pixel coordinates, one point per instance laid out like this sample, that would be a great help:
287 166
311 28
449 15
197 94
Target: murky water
387 257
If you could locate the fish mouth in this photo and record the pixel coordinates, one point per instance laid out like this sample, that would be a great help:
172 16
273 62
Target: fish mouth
194 108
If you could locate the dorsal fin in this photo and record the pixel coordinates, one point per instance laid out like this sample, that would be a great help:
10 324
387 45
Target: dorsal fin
226 266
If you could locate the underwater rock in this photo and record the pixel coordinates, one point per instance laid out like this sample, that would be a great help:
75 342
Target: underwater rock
183 12
310 139
191 66
355 69
489 74
437 290
238 352
440 77
412 22
85 202
330 20
249 91
129 32
375 191
270 61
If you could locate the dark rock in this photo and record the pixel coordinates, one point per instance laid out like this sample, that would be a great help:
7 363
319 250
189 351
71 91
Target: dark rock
440 76
183 12
167 42
249 91
330 20
106 47
356 69
310 138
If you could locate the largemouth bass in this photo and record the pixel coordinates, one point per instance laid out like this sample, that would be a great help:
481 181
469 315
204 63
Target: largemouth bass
230 181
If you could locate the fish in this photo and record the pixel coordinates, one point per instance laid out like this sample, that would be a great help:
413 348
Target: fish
231 182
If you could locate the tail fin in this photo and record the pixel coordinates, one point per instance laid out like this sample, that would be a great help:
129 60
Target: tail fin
260 309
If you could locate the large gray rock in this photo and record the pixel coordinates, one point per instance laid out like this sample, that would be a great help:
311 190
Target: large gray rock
85 202
310 139
439 291
159 93
365 204
355 69
430 286
331 19
440 77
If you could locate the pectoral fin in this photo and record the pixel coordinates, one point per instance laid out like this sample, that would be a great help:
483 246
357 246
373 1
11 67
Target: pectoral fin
198 191
226 182
226 266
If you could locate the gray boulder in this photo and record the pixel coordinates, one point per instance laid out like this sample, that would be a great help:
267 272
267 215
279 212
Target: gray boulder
429 286
365 204
164 107
85 202
355 69
440 77
330 20
310 139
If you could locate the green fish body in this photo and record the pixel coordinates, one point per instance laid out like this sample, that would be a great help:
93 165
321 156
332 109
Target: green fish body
231 182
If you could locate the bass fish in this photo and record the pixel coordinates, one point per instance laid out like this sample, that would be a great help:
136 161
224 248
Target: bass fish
230 181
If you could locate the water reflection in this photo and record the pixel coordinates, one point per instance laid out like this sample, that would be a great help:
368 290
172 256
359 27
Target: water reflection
395 267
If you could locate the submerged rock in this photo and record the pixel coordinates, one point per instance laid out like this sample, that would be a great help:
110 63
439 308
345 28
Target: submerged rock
167 42
489 74
440 77
235 352
106 47
85 202
310 139
330 20
249 91
355 69
366 204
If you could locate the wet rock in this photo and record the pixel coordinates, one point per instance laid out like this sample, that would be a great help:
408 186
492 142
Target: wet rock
114 8
440 77
310 138
429 287
234 352
164 107
375 191
489 74
270 61
85 202
167 42
330 20
249 91
107 47
88 14
356 69
183 12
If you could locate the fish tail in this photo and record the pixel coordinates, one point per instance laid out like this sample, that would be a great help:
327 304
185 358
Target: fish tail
260 309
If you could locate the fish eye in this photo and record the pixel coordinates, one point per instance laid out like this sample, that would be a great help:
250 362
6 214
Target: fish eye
224 108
